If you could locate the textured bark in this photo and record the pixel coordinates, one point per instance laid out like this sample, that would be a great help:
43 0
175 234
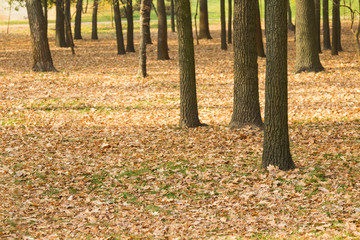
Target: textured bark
40 45
259 40
60 24
246 107
223 25
230 22
276 149
67 20
119 32
291 26
77 31
335 28
188 102
45 6
94 34
172 16
307 54
317 22
326 27
204 20
162 47
130 27
144 5
339 34
147 25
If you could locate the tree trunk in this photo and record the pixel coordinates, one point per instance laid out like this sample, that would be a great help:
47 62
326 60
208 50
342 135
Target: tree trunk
94 34
307 54
259 40
335 28
130 27
144 5
172 16
246 107
68 34
326 27
60 24
229 23
40 45
204 20
223 25
339 35
276 149
291 26
188 101
45 6
162 47
77 34
119 32
317 23
147 25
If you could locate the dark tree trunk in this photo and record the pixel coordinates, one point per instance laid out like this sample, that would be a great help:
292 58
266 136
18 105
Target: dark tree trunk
147 25
317 23
326 27
40 45
291 26
130 27
335 28
204 20
259 40
307 54
68 34
172 16
119 32
77 34
339 35
276 149
230 23
223 25
144 6
246 107
188 101
162 47
45 6
94 34
60 24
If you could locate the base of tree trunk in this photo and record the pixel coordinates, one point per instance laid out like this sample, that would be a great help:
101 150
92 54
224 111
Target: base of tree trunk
309 69
46 67
240 125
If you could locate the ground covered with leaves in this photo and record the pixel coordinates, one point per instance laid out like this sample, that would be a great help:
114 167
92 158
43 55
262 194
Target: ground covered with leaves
95 152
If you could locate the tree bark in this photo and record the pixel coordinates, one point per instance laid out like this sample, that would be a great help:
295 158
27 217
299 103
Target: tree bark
223 25
162 47
317 22
94 34
230 22
291 26
45 6
40 45
60 24
172 16
77 34
339 35
246 107
326 27
307 54
68 34
276 149
130 27
259 40
144 5
188 101
335 28
204 20
147 25
119 32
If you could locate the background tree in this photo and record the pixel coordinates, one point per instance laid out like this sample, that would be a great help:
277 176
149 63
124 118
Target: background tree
67 21
94 34
162 47
188 101
147 25
172 15
130 27
119 32
335 28
144 5
60 24
223 25
229 22
246 107
259 40
77 31
40 45
326 26
204 20
307 54
276 149
291 26
317 23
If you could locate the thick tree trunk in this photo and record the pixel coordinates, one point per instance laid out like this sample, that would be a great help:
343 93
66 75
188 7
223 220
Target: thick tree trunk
230 22
317 22
162 47
94 34
119 32
40 45
204 20
60 24
326 27
188 101
147 25
144 5
45 6
259 40
276 149
223 25
307 54
130 27
246 107
335 28
77 34
68 34
172 16
291 26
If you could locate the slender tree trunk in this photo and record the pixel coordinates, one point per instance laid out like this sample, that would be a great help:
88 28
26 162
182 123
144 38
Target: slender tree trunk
246 107
326 27
339 35
77 34
60 24
259 40
230 22
276 149
162 47
317 21
40 45
147 25
335 28
188 101
223 25
307 54
172 16
291 26
68 37
119 32
204 20
45 6
94 34
130 27
144 5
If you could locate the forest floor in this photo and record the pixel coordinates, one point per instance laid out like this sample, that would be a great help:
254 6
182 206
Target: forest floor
95 152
